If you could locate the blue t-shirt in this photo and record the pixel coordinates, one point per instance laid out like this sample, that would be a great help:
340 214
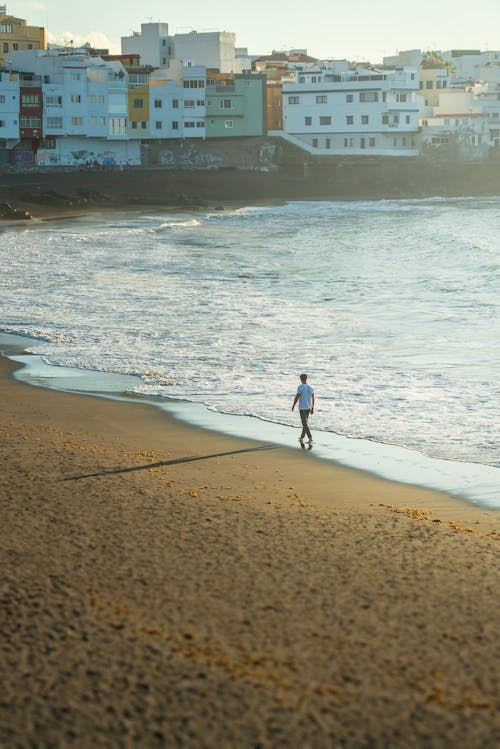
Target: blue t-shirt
306 393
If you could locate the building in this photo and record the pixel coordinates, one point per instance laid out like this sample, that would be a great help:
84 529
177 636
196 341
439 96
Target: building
470 65
458 127
333 109
16 35
9 113
211 49
177 102
274 105
73 110
153 44
283 61
236 106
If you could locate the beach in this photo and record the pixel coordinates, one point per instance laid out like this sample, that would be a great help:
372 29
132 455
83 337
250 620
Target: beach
166 586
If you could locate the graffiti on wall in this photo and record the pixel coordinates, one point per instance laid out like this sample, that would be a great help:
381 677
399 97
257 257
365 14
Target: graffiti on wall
81 158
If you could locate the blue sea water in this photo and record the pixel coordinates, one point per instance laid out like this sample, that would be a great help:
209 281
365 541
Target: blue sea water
391 307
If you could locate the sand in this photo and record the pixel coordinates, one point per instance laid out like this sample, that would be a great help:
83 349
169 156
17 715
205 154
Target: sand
164 586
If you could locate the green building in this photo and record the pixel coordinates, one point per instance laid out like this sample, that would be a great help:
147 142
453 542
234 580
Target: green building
236 106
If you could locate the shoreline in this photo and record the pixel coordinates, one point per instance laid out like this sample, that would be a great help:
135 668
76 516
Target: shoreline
166 586
382 461
71 190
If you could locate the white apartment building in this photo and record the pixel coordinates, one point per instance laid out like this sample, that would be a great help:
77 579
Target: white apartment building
458 124
9 109
152 43
177 102
472 65
332 109
85 108
487 95
211 49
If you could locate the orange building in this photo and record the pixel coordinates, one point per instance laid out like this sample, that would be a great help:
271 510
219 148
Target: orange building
15 35
274 104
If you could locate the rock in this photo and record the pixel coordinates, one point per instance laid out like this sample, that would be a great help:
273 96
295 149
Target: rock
8 211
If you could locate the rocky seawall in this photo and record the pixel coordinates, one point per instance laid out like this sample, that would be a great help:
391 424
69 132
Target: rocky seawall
274 179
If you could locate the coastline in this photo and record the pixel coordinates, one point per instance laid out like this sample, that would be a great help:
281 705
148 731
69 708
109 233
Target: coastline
170 586
64 191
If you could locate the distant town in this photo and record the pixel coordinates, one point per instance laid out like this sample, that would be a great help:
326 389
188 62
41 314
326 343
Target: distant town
65 106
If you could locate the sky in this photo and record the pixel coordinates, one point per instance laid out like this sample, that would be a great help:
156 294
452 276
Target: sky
362 30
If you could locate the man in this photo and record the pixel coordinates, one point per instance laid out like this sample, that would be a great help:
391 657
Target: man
305 399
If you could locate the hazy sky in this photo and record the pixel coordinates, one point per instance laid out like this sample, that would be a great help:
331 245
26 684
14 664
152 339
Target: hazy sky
356 29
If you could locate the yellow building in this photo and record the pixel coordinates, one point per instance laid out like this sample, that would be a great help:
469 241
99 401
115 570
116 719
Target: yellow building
138 101
15 35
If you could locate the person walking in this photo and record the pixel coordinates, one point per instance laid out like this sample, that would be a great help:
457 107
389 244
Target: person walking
305 399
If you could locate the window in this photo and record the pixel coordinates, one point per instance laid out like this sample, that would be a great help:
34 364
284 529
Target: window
368 96
321 99
364 119
325 120
362 143
102 120
15 46
349 120
54 123
49 143
76 98
31 122
200 102
403 97
308 121
144 125
407 119
134 125
228 124
371 142
348 142
2 99
385 119
138 103
315 143
163 60
189 124
75 76
226 103
158 103
194 84
175 125
200 124
117 125
175 103
54 101
349 98
2 123
428 84
30 100
189 103
294 99
6 28
77 121
5 46
93 122
158 125
328 143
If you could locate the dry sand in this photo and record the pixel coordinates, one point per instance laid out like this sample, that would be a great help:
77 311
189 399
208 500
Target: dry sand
163 586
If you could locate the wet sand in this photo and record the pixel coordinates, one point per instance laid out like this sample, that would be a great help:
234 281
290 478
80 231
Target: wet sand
164 586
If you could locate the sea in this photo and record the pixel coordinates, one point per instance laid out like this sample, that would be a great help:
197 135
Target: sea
392 308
